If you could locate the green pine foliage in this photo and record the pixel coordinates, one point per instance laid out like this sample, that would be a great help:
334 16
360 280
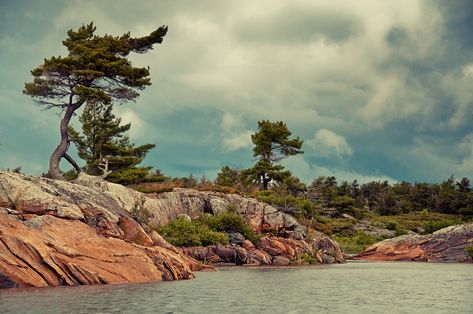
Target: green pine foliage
227 176
96 71
103 136
272 144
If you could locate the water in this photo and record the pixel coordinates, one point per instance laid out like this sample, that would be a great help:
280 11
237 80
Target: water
357 287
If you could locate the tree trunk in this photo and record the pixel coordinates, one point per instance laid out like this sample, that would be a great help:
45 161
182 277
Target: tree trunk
63 146
265 180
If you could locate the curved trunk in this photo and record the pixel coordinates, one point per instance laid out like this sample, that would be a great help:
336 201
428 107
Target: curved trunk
61 149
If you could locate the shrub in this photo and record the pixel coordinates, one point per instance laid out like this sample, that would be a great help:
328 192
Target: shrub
469 251
396 227
357 243
432 226
306 259
180 232
139 212
294 205
229 222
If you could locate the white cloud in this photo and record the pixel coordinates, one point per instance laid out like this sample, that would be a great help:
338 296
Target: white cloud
138 126
327 143
308 172
230 121
237 141
234 135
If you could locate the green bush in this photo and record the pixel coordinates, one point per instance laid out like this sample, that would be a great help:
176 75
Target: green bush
307 259
229 222
469 251
139 212
294 205
392 225
432 226
357 243
181 232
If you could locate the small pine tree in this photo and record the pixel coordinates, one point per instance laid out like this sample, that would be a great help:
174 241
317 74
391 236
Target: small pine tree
272 144
227 176
104 137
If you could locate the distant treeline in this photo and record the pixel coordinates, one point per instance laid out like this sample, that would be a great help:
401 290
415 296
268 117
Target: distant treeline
450 196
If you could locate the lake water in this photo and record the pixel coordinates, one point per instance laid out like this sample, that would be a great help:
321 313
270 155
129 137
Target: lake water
356 287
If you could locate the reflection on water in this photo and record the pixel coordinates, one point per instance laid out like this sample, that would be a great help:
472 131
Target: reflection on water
351 288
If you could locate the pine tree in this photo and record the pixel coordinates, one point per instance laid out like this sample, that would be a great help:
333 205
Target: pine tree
272 144
104 138
96 70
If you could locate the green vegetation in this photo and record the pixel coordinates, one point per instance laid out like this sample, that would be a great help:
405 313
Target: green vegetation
469 251
104 140
420 222
181 232
294 205
206 230
140 213
96 71
357 243
306 259
432 226
392 225
272 144
229 222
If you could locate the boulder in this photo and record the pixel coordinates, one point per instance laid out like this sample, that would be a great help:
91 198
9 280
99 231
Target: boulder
445 245
133 232
236 238
280 261
368 228
287 251
184 217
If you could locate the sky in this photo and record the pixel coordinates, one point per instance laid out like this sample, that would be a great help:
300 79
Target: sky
377 90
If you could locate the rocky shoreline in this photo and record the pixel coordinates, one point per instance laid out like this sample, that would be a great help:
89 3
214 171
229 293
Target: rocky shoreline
69 233
56 233
447 245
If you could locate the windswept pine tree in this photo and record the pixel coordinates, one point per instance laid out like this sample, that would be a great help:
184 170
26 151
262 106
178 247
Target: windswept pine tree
104 140
95 71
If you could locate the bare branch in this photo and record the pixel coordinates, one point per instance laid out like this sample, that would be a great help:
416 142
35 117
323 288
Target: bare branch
103 165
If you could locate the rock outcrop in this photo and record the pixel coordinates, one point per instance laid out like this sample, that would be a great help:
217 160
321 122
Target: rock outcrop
83 232
59 233
50 251
165 207
271 251
445 245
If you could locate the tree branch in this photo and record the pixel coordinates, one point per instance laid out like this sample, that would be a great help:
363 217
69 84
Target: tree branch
72 162
104 164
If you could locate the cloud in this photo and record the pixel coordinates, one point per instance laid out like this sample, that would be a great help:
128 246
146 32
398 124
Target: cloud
230 121
138 126
391 81
297 23
234 135
307 172
465 167
237 141
327 143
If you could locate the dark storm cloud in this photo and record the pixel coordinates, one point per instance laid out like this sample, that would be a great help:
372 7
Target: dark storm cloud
377 89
